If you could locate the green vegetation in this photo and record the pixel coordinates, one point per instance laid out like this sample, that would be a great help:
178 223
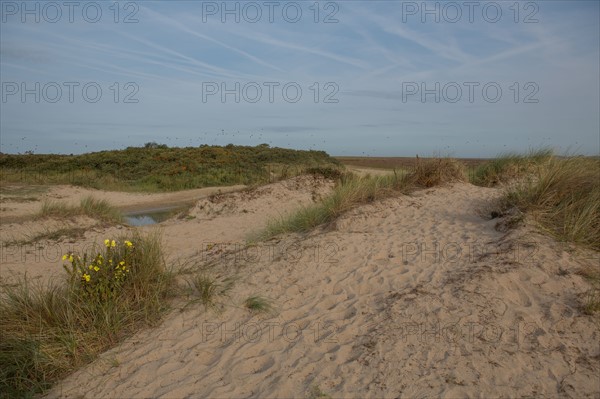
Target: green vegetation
508 167
159 168
563 197
88 206
328 172
50 330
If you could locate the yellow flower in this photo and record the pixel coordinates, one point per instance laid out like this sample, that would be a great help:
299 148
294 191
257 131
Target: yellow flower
65 256
71 258
128 243
86 277
122 263
96 268
107 242
90 267
113 243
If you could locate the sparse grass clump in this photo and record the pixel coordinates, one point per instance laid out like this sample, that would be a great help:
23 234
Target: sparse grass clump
259 304
508 167
88 206
49 330
563 197
207 289
316 392
56 210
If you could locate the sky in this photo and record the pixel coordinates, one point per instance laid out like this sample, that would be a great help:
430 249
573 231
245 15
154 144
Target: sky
365 78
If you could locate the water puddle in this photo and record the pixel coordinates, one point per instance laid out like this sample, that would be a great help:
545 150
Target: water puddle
151 216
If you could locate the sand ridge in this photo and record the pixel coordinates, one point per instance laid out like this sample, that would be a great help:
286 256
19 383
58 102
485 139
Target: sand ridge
414 296
21 202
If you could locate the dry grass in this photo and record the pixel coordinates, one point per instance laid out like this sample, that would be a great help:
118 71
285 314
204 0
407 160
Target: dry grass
434 172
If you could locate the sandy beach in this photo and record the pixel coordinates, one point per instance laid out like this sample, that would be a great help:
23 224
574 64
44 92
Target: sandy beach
414 296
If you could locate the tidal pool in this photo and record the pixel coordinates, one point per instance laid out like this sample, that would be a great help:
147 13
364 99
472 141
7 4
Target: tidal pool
151 216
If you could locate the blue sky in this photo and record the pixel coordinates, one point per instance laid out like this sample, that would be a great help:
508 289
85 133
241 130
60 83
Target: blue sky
378 78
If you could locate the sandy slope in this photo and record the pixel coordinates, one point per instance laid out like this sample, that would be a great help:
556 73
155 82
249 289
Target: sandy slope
369 307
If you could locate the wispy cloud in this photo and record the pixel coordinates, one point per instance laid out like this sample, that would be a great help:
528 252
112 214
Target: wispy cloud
361 61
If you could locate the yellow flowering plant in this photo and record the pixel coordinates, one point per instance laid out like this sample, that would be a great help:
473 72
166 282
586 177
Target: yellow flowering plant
101 275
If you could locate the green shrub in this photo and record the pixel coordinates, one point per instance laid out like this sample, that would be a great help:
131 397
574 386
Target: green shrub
155 167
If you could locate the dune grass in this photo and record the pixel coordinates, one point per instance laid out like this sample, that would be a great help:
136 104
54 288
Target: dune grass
510 166
49 330
433 172
352 191
561 193
563 198
100 209
56 210
89 206
207 289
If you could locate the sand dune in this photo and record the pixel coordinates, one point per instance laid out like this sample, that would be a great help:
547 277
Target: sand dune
224 215
415 296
